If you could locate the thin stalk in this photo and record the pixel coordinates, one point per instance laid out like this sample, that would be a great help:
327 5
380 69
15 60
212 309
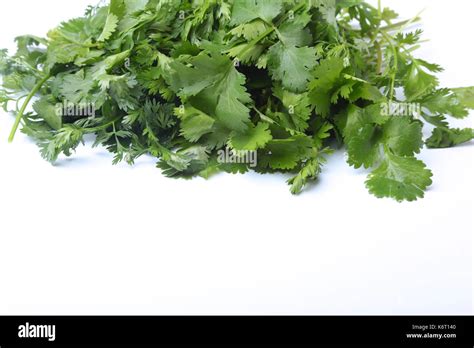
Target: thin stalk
400 24
379 57
393 75
20 113
103 126
393 26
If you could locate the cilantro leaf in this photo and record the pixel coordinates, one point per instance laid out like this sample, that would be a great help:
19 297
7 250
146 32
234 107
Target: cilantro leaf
443 137
418 82
309 172
221 94
402 178
292 65
285 153
109 28
194 123
465 96
245 11
327 79
48 112
255 138
445 102
403 136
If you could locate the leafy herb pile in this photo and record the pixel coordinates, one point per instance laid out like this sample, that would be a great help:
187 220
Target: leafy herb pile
290 80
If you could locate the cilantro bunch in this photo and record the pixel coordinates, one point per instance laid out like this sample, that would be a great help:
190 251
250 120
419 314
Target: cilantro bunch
184 80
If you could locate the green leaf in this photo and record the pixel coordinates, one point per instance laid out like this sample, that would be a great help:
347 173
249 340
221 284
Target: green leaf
254 138
231 109
443 137
135 5
297 107
309 172
76 88
216 88
327 79
109 28
122 90
328 10
187 162
354 118
250 30
465 96
403 136
367 132
402 178
194 123
99 70
445 102
117 8
64 141
48 112
245 11
364 148
285 153
418 83
68 42
294 33
292 65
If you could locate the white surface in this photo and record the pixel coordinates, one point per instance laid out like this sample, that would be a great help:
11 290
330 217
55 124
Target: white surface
85 237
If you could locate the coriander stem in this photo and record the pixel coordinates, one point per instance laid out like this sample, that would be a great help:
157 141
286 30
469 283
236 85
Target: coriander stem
379 57
399 24
256 40
103 126
393 75
20 113
393 26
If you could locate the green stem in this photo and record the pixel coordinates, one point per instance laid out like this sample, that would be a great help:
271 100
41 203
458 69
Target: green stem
256 40
103 126
399 24
393 75
393 26
379 57
20 114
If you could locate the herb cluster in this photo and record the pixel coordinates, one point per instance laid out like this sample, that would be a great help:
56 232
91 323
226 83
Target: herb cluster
289 80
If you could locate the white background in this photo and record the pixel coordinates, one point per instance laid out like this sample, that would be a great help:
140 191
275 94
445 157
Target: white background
86 237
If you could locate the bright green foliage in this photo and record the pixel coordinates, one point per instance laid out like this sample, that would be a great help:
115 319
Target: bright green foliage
245 11
403 178
109 28
285 80
194 123
291 65
255 138
48 112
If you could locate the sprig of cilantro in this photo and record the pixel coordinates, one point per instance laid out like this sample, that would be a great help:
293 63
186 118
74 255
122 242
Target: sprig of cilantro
288 80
